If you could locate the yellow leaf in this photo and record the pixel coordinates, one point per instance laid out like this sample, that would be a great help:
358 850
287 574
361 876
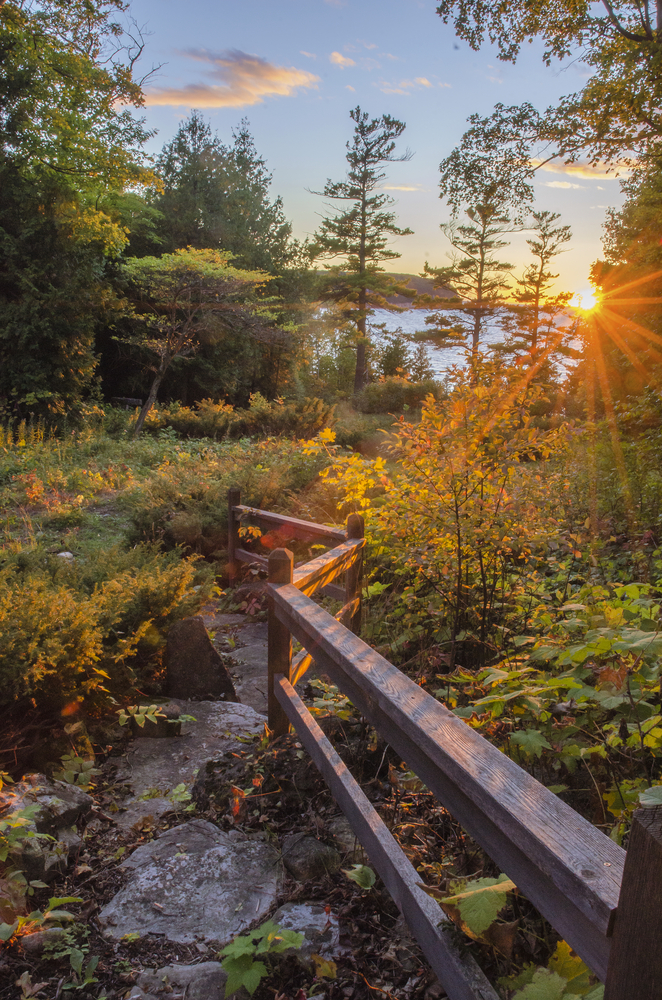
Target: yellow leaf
324 968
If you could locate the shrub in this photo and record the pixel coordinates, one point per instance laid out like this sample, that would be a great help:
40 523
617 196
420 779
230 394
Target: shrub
77 634
184 501
392 395
303 418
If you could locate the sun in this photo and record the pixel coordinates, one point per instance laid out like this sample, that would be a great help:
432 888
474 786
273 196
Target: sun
587 300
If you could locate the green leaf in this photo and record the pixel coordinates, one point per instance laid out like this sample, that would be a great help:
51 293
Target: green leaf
651 797
56 901
531 741
362 875
76 960
480 901
565 963
243 971
545 985
6 930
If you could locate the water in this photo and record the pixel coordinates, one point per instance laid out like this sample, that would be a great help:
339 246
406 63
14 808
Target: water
440 358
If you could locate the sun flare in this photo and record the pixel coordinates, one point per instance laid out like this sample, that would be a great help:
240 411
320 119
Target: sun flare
587 300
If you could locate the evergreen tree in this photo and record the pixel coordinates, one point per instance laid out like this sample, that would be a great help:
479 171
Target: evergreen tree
358 235
475 274
532 325
217 196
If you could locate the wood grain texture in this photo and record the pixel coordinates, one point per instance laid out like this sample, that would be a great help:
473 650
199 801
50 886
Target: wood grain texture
300 664
243 555
234 496
279 641
459 975
568 869
304 530
303 660
325 568
635 962
354 574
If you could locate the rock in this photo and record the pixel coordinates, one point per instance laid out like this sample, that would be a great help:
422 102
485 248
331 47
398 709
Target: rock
307 858
59 805
205 981
320 930
69 556
154 767
33 945
194 668
340 829
195 883
54 807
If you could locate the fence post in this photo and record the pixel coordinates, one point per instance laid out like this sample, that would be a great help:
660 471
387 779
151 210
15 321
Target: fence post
354 575
279 641
635 958
234 499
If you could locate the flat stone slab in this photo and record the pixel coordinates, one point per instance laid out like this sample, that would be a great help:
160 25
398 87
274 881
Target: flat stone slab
195 883
205 981
319 926
250 675
158 765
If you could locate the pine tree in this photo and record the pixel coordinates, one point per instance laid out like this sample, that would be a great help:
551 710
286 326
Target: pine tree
475 274
532 326
217 196
357 236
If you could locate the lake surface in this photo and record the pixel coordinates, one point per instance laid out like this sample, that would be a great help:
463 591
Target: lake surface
440 358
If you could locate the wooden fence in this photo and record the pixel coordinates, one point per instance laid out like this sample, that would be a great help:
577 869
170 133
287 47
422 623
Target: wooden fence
607 905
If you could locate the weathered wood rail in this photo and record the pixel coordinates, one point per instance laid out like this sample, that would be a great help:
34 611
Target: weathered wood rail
607 905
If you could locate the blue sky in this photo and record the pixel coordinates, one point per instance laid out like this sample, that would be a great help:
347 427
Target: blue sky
296 67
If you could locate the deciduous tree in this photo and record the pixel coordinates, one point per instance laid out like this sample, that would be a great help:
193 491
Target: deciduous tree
180 300
616 115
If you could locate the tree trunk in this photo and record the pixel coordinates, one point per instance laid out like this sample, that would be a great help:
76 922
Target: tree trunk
151 399
359 374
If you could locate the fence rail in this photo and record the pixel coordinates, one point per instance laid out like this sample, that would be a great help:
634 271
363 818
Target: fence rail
607 908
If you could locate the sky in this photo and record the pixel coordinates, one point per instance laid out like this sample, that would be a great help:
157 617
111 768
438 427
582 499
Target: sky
295 68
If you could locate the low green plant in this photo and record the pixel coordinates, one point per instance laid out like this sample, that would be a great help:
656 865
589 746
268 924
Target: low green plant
244 958
363 876
140 714
565 978
77 771
331 701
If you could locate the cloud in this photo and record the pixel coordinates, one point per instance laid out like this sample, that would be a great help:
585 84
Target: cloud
349 87
563 184
402 187
338 59
238 80
597 172
308 55
404 86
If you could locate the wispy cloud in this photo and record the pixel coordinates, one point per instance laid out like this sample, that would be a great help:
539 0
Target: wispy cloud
563 184
405 86
349 87
308 55
338 59
597 172
237 80
403 187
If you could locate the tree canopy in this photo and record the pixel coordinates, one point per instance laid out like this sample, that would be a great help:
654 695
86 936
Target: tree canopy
218 196
615 117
